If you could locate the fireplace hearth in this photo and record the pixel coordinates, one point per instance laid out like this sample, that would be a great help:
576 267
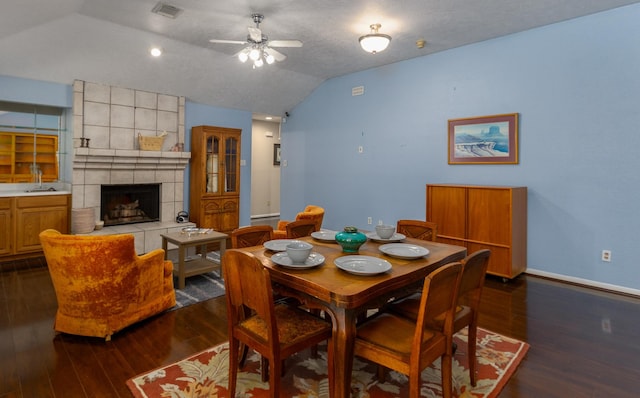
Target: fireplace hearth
129 203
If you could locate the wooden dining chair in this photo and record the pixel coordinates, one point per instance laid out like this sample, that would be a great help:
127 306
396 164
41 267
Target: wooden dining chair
409 346
300 228
468 303
253 235
275 331
425 230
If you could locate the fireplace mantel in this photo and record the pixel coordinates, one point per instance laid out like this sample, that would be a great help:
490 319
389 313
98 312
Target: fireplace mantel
105 159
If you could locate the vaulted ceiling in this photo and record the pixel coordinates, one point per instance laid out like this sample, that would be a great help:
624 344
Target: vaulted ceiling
108 41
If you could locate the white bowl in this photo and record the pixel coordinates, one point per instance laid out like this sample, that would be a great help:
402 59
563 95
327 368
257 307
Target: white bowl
299 251
385 231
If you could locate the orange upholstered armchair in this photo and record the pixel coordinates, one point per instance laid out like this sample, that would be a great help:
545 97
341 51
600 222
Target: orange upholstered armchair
311 212
102 285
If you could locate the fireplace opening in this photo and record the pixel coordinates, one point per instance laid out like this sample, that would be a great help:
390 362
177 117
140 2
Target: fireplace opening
129 203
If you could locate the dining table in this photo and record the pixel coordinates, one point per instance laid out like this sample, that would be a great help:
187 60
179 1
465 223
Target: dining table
346 296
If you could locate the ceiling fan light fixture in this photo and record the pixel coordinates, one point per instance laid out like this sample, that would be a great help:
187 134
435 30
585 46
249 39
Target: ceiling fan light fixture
243 57
374 42
269 58
258 63
254 54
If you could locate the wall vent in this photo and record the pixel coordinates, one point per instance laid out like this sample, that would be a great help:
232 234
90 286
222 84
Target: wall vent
166 10
357 91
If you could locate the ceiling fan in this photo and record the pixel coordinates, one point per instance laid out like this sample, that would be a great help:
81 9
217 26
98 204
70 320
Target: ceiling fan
259 48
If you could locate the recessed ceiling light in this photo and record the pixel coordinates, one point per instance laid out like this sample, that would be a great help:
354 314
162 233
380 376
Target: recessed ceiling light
268 118
156 51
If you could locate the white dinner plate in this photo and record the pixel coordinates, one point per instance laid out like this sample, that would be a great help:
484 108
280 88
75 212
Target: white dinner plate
283 259
396 237
278 245
404 250
324 234
363 265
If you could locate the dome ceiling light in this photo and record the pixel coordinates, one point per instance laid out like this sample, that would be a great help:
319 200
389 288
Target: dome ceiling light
375 42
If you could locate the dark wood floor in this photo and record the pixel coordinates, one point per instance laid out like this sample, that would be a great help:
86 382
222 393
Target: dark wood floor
584 343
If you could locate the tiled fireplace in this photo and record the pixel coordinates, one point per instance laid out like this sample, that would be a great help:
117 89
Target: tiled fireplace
110 119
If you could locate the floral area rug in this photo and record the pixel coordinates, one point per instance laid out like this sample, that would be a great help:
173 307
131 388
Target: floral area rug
205 374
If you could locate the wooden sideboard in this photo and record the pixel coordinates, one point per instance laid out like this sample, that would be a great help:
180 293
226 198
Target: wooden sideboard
483 217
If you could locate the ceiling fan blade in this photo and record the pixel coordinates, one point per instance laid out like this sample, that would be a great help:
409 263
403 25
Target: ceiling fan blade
255 34
227 41
285 43
278 56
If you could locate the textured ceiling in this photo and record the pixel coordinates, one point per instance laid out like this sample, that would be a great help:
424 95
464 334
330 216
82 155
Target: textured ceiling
107 41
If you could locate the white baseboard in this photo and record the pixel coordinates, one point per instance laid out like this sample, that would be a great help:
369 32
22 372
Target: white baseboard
256 216
586 282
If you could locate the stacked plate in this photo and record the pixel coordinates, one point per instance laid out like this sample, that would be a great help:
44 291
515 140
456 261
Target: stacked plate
82 220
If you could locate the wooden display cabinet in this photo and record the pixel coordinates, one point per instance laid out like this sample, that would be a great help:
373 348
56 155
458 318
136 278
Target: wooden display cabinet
19 152
483 217
215 178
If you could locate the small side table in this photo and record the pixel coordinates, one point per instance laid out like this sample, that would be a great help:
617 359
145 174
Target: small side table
196 266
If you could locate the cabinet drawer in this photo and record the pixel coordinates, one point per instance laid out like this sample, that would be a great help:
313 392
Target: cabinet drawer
5 203
41 201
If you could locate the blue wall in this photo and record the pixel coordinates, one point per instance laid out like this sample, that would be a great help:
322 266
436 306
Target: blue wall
576 86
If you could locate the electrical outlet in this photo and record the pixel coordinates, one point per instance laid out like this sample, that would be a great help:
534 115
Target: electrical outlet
606 256
360 149
369 220
380 222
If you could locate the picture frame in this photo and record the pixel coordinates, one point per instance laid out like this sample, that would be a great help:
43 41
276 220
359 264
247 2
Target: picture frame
484 139
276 154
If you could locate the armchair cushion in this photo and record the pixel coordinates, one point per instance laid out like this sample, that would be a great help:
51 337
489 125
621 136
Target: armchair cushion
102 285
311 212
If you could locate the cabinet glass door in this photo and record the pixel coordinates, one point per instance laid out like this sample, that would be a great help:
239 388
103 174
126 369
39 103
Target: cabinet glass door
213 164
230 162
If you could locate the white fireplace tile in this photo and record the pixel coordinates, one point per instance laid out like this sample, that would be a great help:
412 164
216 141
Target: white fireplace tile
96 114
122 138
78 86
78 103
168 189
122 176
122 96
97 92
167 103
181 134
78 176
179 175
98 136
179 193
122 116
168 121
163 176
145 119
102 176
77 129
77 196
168 211
145 99
144 176
92 195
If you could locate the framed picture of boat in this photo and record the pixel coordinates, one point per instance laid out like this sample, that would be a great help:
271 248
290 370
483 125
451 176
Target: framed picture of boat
484 140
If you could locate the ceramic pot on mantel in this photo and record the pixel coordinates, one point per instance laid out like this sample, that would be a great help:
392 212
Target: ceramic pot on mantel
350 239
